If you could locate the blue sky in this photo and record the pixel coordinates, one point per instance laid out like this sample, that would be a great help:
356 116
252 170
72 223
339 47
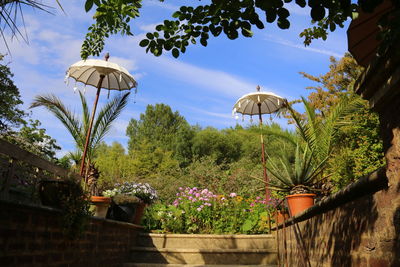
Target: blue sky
202 84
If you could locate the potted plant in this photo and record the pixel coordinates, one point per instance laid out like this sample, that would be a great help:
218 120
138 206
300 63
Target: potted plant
297 176
130 200
99 204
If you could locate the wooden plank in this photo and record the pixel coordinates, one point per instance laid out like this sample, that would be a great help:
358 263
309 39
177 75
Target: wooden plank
15 152
4 192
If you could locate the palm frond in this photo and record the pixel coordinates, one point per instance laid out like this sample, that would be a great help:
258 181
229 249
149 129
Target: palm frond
67 118
105 118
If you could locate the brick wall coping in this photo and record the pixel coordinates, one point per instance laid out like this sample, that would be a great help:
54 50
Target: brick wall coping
40 208
379 80
369 184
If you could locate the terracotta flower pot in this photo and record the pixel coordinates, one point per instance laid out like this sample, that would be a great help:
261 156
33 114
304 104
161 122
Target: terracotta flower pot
299 202
139 212
101 205
281 216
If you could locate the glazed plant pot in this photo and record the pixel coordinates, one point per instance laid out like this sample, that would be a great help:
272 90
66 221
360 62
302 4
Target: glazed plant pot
139 212
299 202
122 212
100 205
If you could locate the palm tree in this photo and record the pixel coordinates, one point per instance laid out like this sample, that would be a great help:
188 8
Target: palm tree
78 127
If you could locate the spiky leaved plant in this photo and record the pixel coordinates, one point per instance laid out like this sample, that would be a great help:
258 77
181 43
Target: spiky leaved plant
317 132
78 126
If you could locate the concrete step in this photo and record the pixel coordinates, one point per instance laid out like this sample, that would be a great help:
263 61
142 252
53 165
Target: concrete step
191 265
203 256
206 241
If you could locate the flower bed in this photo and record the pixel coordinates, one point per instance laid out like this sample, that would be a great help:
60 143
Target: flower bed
201 211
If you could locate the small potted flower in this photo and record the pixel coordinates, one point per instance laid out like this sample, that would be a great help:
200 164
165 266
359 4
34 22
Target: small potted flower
129 201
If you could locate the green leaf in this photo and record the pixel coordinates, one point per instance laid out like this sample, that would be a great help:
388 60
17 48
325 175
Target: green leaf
247 33
88 5
318 13
283 24
248 225
175 52
149 35
271 15
283 13
301 3
144 43
176 14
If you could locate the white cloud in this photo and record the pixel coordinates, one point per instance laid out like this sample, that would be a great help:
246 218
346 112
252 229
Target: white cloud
297 10
207 79
149 27
164 5
128 64
288 43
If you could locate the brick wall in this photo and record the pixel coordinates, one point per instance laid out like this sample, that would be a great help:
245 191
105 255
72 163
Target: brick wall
32 236
363 232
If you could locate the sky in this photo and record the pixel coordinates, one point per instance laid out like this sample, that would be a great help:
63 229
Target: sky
203 84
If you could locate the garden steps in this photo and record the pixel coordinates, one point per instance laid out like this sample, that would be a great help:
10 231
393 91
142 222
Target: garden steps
203 250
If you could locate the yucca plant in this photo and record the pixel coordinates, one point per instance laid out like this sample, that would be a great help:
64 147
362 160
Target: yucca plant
295 174
78 126
303 171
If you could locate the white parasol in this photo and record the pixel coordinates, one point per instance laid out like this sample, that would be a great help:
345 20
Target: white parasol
101 74
259 103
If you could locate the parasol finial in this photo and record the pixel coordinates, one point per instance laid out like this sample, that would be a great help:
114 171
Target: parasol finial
258 88
107 56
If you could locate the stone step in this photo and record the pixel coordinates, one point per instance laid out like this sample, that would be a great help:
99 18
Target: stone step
203 256
191 265
200 241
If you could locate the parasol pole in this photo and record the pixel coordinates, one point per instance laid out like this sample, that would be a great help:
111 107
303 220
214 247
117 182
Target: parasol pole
263 151
107 56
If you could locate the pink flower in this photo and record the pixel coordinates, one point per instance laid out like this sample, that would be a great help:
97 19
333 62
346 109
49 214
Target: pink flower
205 191
197 195
232 195
252 205
198 209
180 189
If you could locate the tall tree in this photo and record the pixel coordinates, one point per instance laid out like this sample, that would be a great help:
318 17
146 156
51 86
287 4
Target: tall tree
160 127
11 115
